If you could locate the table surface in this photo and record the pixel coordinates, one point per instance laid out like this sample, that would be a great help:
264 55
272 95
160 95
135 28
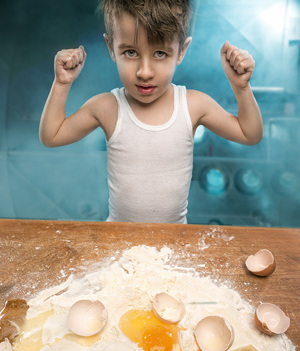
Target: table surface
35 255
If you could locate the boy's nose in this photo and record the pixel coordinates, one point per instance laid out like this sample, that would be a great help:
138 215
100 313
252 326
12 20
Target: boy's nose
145 70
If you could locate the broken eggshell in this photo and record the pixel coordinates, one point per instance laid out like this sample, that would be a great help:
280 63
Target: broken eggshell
167 308
270 319
214 333
262 263
5 345
86 318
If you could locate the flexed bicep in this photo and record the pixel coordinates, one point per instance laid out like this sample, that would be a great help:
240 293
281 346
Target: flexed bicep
205 111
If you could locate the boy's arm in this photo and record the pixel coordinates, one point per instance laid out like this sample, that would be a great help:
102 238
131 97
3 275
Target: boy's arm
55 128
247 128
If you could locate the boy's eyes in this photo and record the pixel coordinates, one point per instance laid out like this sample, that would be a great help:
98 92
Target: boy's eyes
130 53
158 54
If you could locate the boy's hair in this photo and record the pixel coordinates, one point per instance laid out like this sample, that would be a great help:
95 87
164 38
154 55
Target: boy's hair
163 20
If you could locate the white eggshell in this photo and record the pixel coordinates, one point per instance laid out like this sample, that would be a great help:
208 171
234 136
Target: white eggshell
5 345
167 308
86 317
262 263
214 333
270 319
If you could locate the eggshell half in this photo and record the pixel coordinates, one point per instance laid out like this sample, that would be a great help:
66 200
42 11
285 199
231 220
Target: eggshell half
262 263
86 317
214 333
167 308
270 319
5 345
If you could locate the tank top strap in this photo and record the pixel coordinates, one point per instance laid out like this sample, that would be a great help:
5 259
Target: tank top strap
184 109
121 100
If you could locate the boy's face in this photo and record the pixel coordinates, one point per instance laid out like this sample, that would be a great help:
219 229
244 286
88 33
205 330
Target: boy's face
146 70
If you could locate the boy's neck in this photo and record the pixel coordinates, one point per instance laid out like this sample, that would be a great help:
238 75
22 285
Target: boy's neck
156 112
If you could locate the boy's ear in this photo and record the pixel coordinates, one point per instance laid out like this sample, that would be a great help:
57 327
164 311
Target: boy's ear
110 49
182 52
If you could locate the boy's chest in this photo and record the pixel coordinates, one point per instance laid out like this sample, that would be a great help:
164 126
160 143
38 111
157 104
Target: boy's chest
153 150
156 113
154 117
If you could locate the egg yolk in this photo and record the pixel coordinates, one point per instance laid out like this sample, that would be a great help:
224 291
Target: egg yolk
151 334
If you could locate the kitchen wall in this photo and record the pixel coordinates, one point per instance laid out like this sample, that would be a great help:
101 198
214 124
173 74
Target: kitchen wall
232 184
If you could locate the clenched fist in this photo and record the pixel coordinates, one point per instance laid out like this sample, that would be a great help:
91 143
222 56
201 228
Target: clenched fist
68 64
238 65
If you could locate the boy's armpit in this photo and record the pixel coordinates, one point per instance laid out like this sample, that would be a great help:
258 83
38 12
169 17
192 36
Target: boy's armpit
197 104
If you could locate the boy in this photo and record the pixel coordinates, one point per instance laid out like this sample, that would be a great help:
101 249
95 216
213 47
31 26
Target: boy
150 123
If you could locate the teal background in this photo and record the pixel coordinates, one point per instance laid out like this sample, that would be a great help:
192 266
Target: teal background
71 182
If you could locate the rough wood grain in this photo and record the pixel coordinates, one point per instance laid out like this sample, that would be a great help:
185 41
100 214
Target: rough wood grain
37 254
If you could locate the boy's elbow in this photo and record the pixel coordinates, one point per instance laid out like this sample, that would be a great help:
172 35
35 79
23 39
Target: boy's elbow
255 139
46 141
46 144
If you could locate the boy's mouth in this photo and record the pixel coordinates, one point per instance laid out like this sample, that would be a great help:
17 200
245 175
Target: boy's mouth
145 89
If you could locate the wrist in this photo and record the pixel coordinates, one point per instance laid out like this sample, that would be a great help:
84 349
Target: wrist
62 85
60 90
241 90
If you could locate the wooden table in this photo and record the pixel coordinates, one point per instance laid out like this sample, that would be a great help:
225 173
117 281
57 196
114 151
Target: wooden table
39 254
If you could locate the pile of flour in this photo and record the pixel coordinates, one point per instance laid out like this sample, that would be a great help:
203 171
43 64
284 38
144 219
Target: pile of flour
132 282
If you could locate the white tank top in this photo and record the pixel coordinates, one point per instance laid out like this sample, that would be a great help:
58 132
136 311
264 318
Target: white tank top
150 166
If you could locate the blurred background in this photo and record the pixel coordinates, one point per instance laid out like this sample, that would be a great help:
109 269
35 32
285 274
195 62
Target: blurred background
232 184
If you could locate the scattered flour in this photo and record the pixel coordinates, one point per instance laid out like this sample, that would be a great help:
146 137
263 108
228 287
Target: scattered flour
132 281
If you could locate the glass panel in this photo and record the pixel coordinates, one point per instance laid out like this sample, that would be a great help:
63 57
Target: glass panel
262 186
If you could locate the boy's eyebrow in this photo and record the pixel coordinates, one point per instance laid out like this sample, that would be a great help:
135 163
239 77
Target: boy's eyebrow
169 49
125 46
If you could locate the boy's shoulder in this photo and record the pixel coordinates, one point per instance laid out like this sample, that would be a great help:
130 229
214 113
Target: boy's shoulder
196 98
102 104
103 99
192 93
104 108
198 104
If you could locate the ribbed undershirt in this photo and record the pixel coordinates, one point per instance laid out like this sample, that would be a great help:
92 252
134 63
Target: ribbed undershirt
150 167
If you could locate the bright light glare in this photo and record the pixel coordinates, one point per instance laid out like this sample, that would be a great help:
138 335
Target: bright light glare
274 17
199 135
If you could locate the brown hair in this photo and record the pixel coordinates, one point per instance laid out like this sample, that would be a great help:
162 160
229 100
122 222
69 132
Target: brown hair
163 20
